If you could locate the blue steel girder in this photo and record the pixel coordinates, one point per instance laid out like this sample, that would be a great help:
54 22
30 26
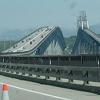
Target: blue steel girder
55 38
86 43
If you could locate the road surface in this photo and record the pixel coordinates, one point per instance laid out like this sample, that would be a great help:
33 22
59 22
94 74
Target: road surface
24 90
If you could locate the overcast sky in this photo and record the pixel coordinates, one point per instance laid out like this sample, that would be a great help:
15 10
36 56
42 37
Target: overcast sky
25 14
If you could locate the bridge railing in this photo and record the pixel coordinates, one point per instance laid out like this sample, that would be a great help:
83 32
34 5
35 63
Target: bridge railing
66 72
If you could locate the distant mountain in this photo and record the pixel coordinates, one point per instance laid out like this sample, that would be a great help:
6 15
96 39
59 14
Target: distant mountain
14 34
71 32
68 32
69 43
6 44
18 34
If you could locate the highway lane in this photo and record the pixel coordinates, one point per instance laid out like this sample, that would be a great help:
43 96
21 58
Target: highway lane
35 94
24 90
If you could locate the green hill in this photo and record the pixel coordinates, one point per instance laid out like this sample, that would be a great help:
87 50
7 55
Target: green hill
6 44
69 43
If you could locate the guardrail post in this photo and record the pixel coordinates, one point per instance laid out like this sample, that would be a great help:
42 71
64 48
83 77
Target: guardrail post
58 78
46 77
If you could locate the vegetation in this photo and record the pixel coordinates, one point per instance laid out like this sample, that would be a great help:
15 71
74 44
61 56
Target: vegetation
69 44
6 44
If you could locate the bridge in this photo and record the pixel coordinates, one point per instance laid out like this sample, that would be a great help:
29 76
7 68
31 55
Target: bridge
50 41
87 41
39 57
43 41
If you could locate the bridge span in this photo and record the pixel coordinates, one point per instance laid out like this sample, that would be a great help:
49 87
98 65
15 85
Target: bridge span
43 41
39 57
87 41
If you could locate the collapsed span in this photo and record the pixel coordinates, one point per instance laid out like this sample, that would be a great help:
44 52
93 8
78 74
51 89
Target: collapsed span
87 42
43 41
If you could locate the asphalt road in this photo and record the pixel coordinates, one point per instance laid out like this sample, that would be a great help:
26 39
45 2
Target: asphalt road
24 90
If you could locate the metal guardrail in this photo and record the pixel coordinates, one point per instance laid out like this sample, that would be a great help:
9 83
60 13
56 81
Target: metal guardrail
67 72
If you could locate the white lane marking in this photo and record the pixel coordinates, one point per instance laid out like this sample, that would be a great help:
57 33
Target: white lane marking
36 92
